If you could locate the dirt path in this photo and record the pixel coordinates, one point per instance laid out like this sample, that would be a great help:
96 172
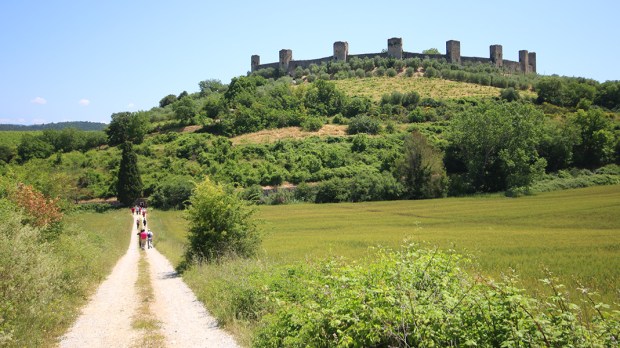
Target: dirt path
106 321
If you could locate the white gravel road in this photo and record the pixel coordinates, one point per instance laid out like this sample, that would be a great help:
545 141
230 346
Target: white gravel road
106 320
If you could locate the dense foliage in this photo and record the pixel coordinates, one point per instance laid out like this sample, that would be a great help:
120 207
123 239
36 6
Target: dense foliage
220 225
412 297
46 277
494 146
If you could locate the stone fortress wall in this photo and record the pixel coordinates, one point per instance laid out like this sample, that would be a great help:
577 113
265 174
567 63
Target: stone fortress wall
526 63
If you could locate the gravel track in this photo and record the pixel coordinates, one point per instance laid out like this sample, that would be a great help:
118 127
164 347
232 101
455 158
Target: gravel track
106 320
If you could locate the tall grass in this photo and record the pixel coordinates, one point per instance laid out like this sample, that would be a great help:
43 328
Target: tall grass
573 233
45 284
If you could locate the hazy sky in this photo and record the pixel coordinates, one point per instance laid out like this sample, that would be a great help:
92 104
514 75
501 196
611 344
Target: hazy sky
67 60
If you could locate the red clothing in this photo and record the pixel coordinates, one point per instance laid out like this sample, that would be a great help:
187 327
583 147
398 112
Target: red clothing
143 235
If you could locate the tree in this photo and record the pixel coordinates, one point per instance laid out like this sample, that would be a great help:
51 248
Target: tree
7 153
32 146
129 184
431 51
421 169
220 224
210 86
608 95
323 99
167 100
497 145
127 126
595 145
173 192
184 109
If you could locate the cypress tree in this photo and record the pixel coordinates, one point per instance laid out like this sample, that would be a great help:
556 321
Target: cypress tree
129 185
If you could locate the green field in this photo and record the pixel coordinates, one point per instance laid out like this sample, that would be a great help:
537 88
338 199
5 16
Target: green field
375 87
573 233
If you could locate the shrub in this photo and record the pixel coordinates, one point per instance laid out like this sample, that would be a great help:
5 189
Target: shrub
391 72
29 276
305 192
332 191
312 124
172 193
509 94
364 124
418 297
220 225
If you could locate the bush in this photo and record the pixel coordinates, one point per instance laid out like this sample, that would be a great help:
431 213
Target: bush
510 94
364 124
332 191
29 276
417 297
172 193
312 124
220 225
391 72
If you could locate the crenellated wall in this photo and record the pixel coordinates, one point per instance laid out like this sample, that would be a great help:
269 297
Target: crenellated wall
526 63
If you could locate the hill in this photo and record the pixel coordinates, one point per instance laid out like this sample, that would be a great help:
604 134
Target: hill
80 125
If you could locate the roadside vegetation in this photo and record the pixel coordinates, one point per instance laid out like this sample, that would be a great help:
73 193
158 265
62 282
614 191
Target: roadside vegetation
565 237
50 262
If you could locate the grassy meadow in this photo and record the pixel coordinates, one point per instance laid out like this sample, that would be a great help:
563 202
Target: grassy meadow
573 233
375 87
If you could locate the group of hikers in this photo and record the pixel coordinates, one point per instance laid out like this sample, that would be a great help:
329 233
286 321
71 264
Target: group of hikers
146 235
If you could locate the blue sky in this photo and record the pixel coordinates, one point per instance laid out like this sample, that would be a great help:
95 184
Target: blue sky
84 60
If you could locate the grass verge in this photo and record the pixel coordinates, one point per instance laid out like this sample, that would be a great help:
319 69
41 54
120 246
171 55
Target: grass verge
45 283
144 320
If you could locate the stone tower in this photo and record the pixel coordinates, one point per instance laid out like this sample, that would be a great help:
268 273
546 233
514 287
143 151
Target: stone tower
285 58
395 47
341 51
255 62
497 55
453 51
531 57
524 61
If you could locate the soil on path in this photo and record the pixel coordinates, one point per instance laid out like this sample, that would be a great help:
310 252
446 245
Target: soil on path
106 320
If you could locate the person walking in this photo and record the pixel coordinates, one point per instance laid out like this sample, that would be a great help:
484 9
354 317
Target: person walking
149 236
143 238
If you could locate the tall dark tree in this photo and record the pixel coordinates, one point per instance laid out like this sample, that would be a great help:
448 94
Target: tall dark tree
129 185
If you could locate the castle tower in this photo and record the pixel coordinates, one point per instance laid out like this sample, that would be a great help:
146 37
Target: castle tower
497 55
341 51
255 62
531 57
395 47
453 51
524 61
285 58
